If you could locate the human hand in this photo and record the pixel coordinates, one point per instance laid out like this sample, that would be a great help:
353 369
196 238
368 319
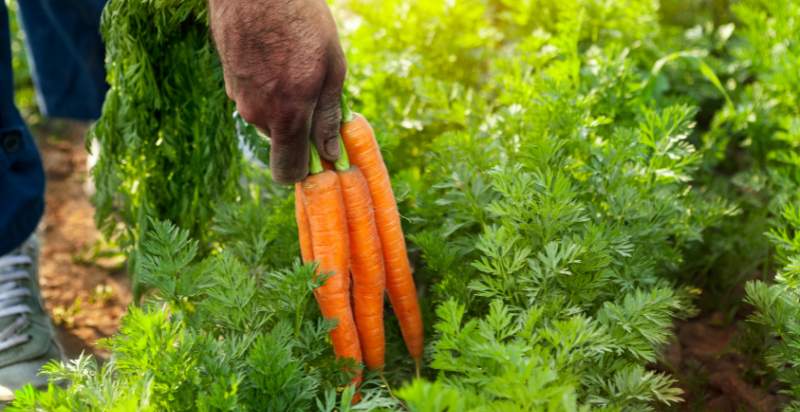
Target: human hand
284 67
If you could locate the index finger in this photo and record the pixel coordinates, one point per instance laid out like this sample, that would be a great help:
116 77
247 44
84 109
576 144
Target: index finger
289 154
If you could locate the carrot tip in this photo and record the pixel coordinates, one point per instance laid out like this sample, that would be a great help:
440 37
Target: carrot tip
356 398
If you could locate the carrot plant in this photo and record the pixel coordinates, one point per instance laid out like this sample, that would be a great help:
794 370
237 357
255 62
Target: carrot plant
166 146
554 232
213 335
764 126
778 306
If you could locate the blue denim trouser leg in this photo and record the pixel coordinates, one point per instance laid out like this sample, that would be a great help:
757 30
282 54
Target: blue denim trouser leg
21 174
66 57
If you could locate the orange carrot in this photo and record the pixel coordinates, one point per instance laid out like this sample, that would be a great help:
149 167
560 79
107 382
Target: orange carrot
366 265
303 231
364 152
322 198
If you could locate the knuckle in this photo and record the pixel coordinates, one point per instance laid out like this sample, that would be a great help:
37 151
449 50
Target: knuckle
338 69
249 111
291 118
302 85
303 79
229 85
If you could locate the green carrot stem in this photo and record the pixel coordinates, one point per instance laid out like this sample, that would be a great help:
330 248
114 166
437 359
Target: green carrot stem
347 114
344 161
315 164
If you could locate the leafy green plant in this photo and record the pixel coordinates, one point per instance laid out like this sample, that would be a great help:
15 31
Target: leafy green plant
24 92
767 119
566 223
167 146
211 336
778 306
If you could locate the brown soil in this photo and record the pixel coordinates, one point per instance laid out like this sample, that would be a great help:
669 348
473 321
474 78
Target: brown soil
713 373
85 294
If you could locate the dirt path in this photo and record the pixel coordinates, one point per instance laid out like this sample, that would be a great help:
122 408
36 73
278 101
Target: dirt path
85 294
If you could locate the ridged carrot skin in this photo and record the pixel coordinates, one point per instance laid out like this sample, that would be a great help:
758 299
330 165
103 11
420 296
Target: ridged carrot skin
303 231
366 266
322 198
364 152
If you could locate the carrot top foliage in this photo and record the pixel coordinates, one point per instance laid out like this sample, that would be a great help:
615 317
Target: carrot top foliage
571 176
166 146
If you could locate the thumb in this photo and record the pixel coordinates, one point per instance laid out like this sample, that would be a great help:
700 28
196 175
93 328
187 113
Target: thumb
327 117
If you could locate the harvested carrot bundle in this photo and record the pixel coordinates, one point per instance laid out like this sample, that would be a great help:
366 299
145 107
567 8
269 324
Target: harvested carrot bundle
303 231
364 152
324 206
366 262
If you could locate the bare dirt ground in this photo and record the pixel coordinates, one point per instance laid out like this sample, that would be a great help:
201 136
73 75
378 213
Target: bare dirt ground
85 294
711 370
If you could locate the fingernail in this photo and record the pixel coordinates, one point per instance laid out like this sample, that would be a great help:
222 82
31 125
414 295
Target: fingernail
332 147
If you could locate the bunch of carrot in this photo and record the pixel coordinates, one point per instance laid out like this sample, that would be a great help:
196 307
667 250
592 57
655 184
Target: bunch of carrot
349 224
